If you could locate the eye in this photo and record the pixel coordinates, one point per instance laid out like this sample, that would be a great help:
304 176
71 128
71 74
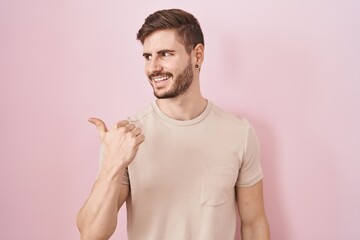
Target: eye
147 57
166 54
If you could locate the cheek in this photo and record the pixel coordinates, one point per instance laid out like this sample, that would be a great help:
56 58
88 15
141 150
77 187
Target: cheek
146 71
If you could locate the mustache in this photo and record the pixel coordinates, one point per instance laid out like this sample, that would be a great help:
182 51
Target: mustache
156 74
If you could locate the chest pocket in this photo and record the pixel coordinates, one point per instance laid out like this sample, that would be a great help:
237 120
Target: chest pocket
217 185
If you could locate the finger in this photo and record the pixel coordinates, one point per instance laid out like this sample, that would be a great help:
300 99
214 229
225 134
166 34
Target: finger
100 125
122 123
140 138
130 127
136 132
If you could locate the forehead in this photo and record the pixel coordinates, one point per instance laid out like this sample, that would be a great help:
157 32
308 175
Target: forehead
163 39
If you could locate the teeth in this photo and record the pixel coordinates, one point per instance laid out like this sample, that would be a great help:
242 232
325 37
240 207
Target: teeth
157 79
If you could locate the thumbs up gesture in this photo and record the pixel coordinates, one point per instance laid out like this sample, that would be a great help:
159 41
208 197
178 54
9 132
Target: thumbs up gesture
120 144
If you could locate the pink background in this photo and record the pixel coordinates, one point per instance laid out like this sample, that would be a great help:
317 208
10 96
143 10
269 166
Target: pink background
292 68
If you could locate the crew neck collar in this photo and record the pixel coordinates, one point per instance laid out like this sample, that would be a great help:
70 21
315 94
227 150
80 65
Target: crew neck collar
183 123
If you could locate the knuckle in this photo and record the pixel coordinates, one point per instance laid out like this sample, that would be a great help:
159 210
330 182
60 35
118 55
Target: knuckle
129 134
121 130
137 130
122 123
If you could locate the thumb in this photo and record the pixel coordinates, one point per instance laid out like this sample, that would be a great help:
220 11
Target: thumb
100 125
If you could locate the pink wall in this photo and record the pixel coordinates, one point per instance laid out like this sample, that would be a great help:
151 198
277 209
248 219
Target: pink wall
292 68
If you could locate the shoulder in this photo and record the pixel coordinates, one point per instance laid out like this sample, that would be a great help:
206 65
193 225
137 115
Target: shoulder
142 114
230 118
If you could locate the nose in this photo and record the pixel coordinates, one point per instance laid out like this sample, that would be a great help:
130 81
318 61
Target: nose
154 65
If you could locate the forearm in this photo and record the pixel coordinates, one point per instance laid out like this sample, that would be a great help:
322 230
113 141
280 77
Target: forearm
255 230
97 219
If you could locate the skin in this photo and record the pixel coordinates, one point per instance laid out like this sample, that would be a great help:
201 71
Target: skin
97 219
164 56
254 225
190 103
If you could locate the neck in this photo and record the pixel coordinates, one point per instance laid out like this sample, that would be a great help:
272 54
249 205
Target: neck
183 107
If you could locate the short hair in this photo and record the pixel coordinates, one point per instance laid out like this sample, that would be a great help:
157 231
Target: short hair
186 25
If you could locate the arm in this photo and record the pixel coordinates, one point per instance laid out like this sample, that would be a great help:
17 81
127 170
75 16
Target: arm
254 225
97 219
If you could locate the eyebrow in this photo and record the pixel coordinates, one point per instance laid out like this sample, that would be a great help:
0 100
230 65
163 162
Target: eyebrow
160 52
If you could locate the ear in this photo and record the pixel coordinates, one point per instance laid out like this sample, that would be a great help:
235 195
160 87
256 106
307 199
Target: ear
199 54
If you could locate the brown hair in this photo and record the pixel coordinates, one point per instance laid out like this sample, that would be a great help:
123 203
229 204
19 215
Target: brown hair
186 25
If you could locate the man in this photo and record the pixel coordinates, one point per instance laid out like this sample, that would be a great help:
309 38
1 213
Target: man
183 166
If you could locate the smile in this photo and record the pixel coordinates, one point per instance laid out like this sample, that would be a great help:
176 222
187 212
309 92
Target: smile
160 78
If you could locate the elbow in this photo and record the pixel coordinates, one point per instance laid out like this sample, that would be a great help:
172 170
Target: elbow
92 235
256 229
89 232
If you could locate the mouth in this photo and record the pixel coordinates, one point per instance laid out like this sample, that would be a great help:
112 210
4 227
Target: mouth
160 81
160 78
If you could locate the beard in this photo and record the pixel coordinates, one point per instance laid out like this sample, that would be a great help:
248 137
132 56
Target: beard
180 85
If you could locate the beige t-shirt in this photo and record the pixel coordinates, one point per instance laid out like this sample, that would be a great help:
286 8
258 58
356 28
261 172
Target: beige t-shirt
183 179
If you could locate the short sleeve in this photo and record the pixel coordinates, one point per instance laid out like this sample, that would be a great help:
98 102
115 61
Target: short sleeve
125 180
250 171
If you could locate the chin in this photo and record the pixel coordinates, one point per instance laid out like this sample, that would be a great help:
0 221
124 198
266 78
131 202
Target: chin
165 95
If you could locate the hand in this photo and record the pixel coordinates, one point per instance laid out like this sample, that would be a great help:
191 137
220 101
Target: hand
120 143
